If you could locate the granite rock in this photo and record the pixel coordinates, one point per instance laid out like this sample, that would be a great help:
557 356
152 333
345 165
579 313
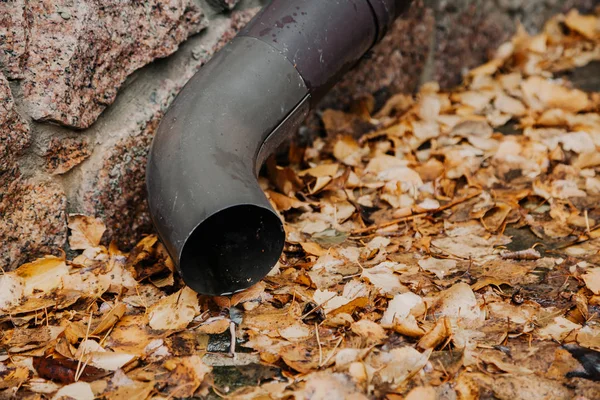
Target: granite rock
13 37
32 220
32 214
80 53
62 155
466 34
14 131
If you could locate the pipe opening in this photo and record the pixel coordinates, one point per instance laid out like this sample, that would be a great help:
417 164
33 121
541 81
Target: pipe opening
232 249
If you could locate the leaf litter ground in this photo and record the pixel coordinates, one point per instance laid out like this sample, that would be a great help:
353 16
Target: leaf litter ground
451 251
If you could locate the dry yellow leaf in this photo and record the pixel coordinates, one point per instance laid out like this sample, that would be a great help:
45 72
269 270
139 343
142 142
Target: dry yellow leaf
401 364
175 311
86 232
586 25
321 171
592 280
42 275
541 94
110 319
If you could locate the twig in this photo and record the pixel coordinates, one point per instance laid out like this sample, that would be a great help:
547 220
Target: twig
79 370
332 351
143 301
417 214
319 343
232 343
587 221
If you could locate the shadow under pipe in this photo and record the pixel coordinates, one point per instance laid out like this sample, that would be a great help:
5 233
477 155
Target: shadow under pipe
203 193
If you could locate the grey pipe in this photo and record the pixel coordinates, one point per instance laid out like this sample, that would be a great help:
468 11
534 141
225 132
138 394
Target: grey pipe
204 198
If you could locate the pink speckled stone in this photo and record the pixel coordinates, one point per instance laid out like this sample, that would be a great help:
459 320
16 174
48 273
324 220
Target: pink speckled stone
81 52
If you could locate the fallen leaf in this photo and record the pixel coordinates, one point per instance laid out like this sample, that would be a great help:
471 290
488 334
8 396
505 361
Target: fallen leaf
586 25
384 279
186 376
313 248
252 293
11 291
295 332
134 391
86 232
285 203
175 311
42 275
78 390
437 335
370 331
592 279
347 151
558 329
540 94
321 171
439 267
214 326
457 302
505 366
400 307
63 370
400 364
422 393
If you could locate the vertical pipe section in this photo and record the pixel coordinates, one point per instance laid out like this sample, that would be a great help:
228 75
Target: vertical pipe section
203 193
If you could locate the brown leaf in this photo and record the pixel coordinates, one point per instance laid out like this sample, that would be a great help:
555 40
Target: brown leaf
586 25
14 378
400 364
63 370
422 393
110 319
175 311
42 275
285 203
348 151
86 232
370 331
541 94
592 279
301 357
313 248
134 391
487 281
252 293
214 326
437 335
186 376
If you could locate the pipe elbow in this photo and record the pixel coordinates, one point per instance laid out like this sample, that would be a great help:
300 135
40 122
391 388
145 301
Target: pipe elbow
204 197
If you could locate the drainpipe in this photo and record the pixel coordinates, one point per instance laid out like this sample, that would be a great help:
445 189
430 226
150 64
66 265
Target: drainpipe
203 193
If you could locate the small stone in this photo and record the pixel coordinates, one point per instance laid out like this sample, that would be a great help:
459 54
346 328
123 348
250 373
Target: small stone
197 54
64 154
65 14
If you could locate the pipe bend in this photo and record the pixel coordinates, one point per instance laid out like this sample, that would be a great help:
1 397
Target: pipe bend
203 192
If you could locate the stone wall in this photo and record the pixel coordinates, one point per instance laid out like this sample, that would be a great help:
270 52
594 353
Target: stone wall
89 80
